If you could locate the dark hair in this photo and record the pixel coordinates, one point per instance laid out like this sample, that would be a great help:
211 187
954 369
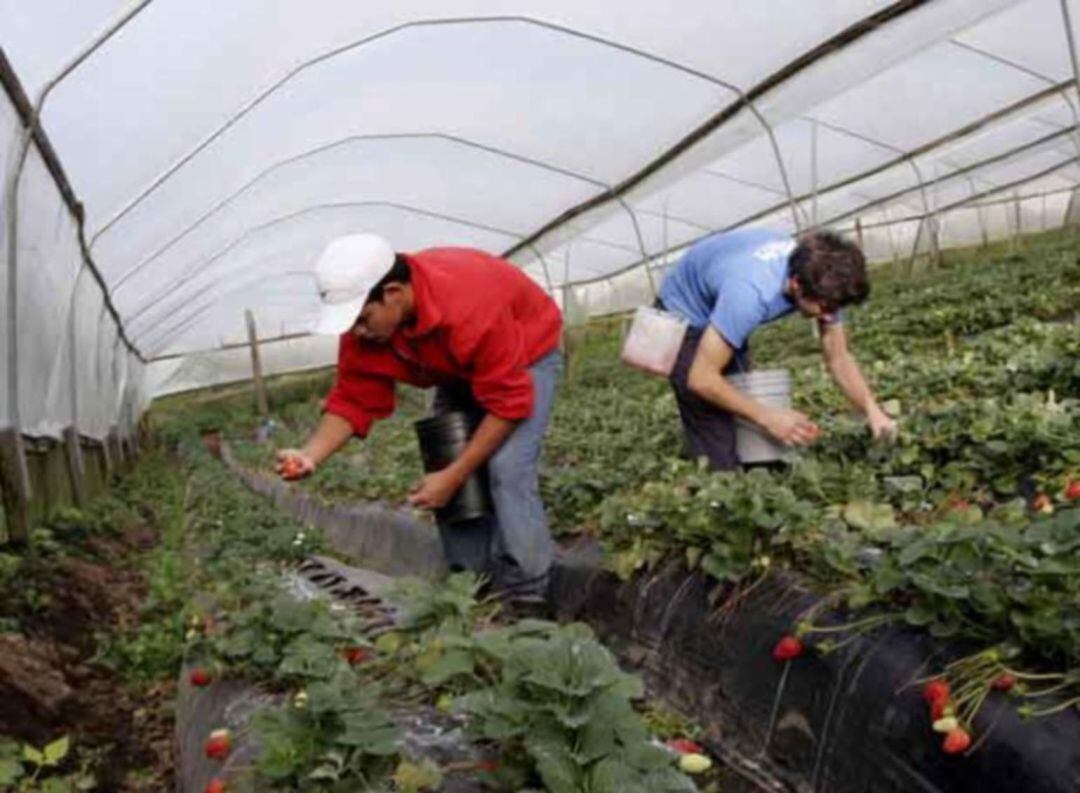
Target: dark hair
829 268
399 274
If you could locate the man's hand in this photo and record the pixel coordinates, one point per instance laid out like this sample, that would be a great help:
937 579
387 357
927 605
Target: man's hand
293 464
882 425
790 427
436 489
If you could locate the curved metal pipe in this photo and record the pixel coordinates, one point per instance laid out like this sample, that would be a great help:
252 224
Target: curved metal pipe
170 286
253 103
322 149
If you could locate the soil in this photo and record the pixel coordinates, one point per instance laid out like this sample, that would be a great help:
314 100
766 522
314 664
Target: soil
56 613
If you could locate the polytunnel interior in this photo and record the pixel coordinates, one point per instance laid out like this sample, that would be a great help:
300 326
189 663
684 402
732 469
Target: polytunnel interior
172 169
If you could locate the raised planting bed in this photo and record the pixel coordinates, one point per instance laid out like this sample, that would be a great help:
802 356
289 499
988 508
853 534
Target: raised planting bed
207 703
852 720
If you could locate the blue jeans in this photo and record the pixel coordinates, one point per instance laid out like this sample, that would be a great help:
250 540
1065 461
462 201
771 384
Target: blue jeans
513 546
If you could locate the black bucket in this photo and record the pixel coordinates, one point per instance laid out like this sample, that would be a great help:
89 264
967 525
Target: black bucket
442 440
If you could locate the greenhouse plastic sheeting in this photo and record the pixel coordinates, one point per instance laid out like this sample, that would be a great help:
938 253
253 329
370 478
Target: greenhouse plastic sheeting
214 149
194 371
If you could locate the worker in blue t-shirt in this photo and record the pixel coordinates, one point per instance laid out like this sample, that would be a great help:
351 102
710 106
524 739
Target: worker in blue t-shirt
729 284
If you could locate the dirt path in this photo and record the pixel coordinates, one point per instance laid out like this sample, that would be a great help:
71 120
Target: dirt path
59 611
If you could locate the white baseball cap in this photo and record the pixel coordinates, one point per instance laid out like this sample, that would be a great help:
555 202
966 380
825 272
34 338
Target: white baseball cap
346 272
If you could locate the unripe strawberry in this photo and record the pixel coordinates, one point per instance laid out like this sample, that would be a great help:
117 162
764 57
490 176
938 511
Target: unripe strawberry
946 725
1042 504
694 763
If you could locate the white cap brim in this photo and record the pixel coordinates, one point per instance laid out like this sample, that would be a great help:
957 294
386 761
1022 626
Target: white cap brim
336 318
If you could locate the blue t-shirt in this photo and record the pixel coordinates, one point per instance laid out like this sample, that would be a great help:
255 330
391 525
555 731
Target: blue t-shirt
733 281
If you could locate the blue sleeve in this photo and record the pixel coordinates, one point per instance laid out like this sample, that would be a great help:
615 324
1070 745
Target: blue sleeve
738 311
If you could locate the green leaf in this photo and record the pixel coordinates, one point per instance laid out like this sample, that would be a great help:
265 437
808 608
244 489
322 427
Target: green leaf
919 616
370 732
56 785
10 771
413 777
310 659
57 751
389 643
240 644
868 517
556 766
861 596
917 550
32 755
451 664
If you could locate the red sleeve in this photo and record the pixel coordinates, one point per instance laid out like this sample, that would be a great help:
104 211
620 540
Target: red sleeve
500 380
358 397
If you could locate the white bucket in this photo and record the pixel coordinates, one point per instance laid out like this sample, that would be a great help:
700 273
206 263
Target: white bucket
653 342
770 387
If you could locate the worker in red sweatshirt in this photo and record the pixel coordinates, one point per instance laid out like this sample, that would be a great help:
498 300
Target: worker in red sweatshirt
483 334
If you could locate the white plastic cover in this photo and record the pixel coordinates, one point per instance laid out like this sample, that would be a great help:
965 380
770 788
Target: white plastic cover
217 147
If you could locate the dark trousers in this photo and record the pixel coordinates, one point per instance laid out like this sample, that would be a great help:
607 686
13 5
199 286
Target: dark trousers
709 430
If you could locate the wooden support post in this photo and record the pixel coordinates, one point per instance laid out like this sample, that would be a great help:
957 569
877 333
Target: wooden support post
116 448
256 366
935 241
1017 220
75 466
859 234
110 461
15 483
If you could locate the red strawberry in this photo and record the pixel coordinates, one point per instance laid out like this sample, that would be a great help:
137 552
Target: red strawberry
1004 682
1072 492
684 746
216 785
355 655
956 741
200 677
489 766
960 504
787 649
292 468
218 745
936 691
937 709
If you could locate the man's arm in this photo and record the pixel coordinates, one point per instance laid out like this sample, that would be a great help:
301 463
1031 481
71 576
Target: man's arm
436 489
845 371
501 384
331 434
707 381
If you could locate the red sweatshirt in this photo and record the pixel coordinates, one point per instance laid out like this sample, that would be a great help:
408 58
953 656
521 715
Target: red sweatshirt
478 318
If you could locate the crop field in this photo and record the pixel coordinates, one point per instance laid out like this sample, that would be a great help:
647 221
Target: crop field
966 527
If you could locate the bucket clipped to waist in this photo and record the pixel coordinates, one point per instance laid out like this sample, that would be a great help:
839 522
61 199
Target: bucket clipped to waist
442 440
653 343
770 387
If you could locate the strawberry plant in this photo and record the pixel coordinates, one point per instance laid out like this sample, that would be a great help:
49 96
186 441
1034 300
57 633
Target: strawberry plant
560 708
